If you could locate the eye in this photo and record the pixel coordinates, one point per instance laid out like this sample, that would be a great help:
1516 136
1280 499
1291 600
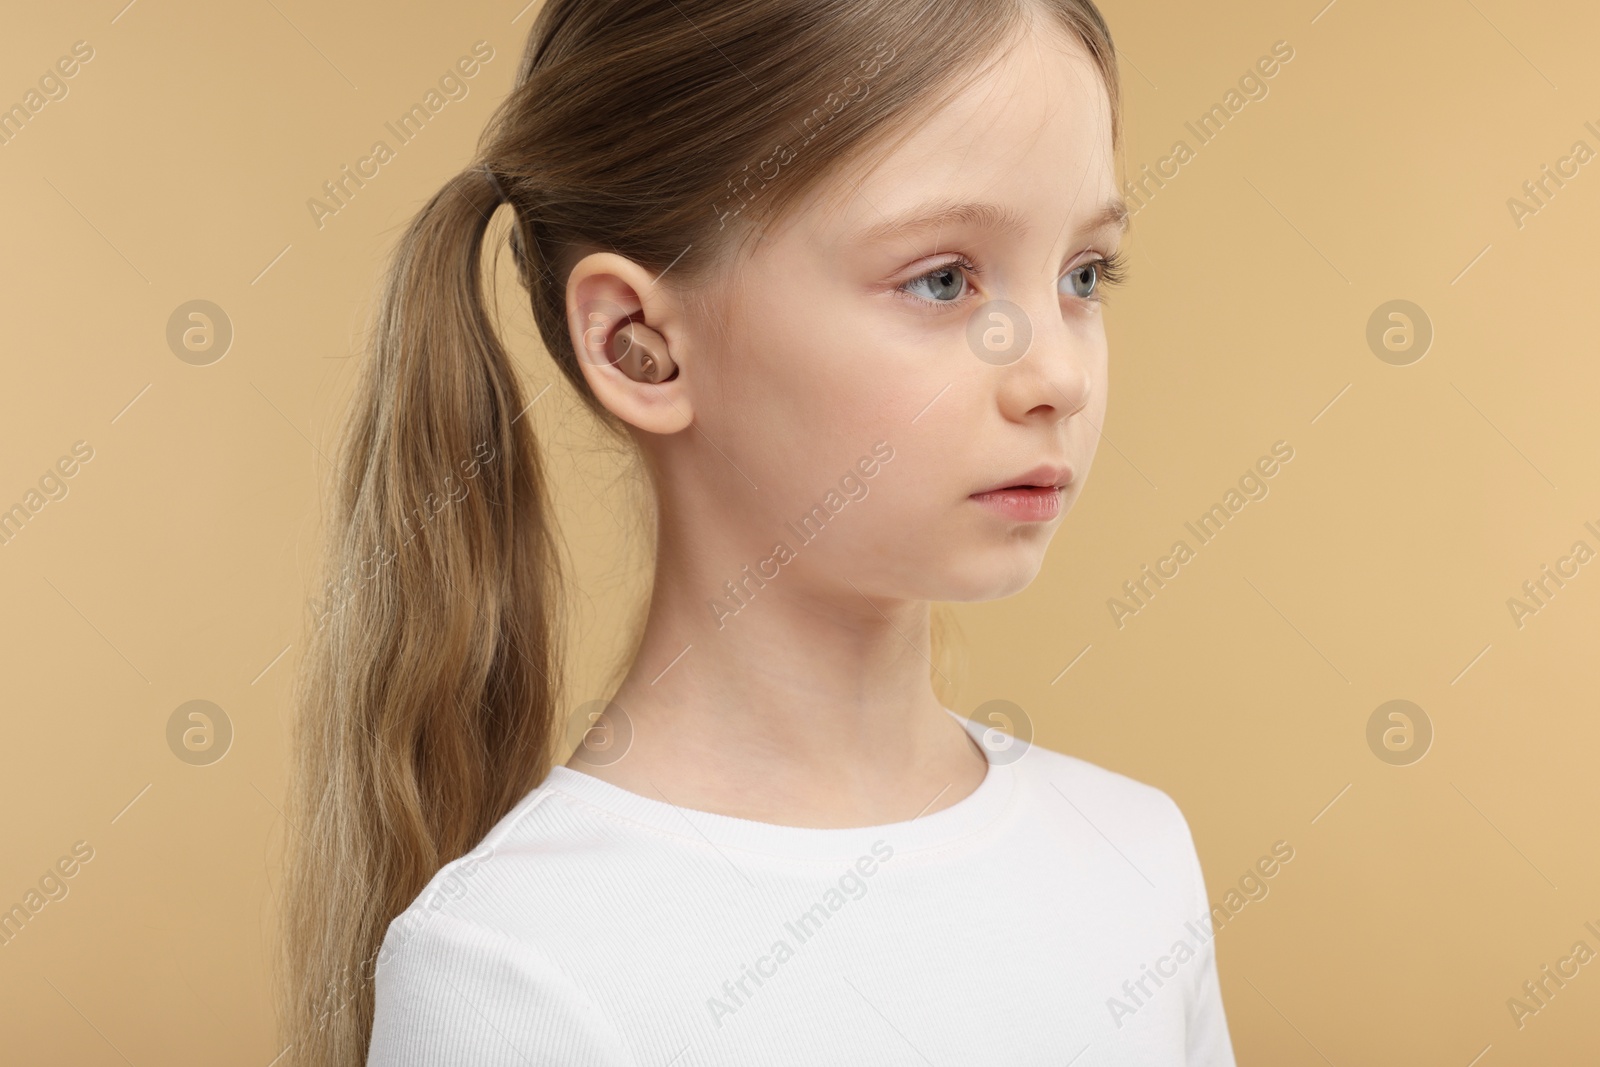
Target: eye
945 284
1088 278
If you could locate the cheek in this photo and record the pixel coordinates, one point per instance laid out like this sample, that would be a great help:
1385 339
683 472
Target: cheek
795 404
826 376
1086 434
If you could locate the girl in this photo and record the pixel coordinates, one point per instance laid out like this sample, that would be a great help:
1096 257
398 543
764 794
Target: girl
835 269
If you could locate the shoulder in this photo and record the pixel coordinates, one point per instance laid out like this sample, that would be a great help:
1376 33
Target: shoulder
535 852
457 980
1139 820
456 992
1080 781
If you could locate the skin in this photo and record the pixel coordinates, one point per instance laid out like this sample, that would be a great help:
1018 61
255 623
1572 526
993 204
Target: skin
813 704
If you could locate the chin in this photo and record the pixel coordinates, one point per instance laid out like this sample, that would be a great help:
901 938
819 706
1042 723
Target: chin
992 572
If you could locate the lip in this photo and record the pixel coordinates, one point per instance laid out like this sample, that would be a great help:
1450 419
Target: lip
1044 476
1030 503
1033 496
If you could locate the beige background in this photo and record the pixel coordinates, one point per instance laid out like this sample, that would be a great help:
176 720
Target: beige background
1419 499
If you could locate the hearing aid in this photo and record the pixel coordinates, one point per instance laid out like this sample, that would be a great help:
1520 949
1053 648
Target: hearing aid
641 354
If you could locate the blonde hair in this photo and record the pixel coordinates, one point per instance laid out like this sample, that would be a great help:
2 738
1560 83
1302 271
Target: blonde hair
428 701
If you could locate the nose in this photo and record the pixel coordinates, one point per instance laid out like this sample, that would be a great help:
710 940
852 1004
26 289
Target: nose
1051 381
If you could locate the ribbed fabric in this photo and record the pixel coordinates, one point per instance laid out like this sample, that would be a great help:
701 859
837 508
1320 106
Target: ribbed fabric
1056 915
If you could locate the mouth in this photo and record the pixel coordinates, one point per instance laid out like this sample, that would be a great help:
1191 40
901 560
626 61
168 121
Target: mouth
1033 497
1045 476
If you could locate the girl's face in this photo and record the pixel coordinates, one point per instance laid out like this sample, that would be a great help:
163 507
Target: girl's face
887 316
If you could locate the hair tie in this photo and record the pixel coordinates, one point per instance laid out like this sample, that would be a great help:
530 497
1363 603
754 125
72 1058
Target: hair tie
494 183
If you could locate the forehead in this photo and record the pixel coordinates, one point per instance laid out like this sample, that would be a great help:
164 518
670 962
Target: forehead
1029 133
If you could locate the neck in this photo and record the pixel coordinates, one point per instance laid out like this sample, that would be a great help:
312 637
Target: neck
804 700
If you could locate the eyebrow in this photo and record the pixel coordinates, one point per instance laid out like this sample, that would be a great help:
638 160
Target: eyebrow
938 214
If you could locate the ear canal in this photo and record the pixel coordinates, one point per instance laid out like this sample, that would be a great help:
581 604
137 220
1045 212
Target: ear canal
641 354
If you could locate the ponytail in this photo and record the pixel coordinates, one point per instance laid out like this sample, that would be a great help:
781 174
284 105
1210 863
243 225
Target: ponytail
427 700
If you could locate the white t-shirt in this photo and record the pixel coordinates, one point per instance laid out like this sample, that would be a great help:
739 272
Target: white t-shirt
1056 915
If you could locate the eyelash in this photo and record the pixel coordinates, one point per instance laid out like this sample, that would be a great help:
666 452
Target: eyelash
1110 270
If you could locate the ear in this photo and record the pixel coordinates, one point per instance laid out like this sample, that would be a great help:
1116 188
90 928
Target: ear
605 292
